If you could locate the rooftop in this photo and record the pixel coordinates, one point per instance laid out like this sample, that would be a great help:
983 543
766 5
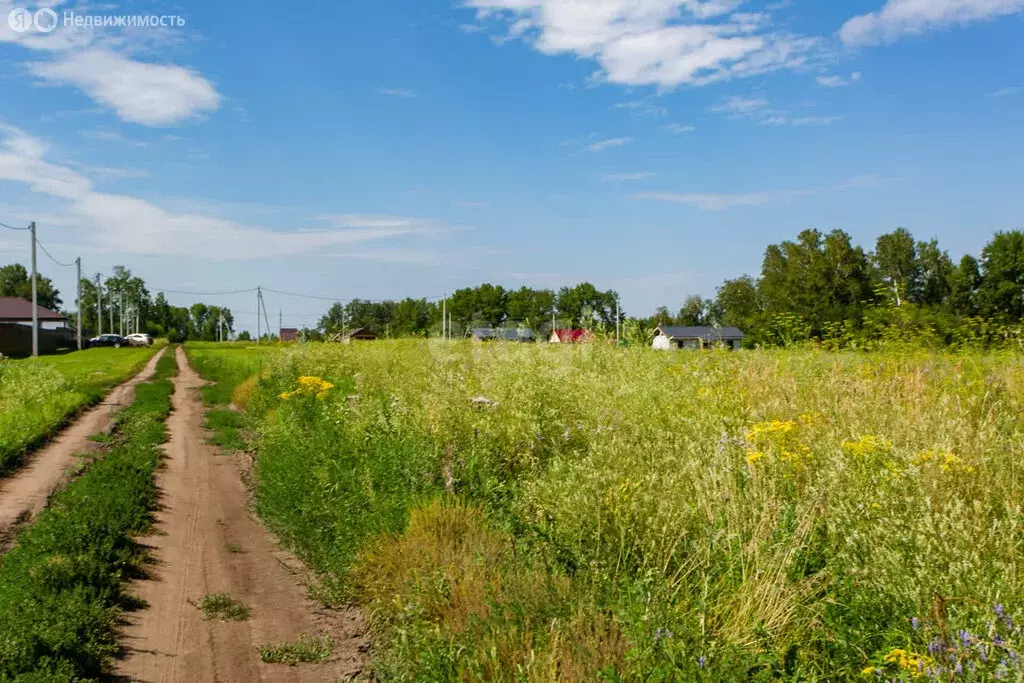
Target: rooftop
702 333
16 308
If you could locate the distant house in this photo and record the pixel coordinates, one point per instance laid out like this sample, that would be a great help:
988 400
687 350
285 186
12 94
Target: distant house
289 334
571 337
671 337
16 328
15 310
511 334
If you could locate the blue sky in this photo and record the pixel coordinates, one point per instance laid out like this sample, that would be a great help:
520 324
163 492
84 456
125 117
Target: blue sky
408 148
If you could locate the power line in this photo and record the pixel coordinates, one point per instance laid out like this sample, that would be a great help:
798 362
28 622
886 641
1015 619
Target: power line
339 299
59 263
11 227
177 291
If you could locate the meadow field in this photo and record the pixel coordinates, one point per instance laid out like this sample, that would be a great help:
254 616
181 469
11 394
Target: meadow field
538 512
39 395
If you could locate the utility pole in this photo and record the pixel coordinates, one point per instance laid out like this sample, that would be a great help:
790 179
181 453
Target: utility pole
280 323
259 300
616 320
122 312
78 296
99 307
444 319
35 295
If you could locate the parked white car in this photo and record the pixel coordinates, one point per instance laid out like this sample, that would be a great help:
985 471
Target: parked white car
139 339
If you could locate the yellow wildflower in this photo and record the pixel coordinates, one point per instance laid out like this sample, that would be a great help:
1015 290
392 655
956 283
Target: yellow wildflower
866 446
285 396
754 456
913 664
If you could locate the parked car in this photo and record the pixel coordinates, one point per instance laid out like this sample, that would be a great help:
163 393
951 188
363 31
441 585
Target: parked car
139 339
115 340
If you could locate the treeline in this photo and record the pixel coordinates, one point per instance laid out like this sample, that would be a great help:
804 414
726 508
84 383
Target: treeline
126 305
819 287
472 307
823 287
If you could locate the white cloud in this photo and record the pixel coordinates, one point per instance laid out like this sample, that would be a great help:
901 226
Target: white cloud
149 94
834 81
108 135
898 18
1006 92
760 110
816 121
665 43
398 92
124 224
737 105
639 175
725 201
642 108
677 128
97 62
602 145
721 202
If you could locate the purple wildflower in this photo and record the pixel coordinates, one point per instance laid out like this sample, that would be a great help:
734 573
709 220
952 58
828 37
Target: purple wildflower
959 667
999 610
701 661
915 622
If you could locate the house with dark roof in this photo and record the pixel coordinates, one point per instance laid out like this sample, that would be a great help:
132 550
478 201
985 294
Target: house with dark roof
676 337
15 310
16 328
511 334
289 334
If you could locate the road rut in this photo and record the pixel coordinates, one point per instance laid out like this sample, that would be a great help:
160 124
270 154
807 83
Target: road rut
25 493
206 541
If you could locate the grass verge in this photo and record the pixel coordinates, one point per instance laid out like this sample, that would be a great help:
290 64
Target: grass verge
306 650
39 395
61 583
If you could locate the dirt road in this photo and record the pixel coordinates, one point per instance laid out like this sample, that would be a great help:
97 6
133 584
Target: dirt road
26 491
207 542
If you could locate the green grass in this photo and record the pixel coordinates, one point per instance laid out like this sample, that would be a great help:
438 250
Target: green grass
223 607
61 583
39 395
306 650
623 514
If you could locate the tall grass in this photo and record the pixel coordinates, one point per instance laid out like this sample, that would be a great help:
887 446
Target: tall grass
39 395
60 586
660 516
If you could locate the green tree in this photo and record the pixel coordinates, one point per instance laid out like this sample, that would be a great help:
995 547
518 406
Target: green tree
1001 293
532 308
964 283
739 305
696 312
819 278
934 270
586 307
895 261
15 281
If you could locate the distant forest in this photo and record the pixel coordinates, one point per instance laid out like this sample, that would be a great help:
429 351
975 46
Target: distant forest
819 287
